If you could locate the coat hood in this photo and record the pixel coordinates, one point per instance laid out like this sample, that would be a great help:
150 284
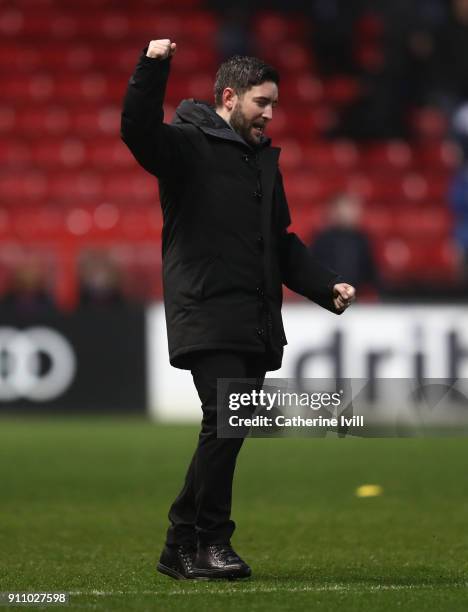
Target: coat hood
204 116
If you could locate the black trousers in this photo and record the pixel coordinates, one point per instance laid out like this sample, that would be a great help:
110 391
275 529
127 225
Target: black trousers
202 510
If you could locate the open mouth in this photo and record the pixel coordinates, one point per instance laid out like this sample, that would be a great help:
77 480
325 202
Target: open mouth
259 129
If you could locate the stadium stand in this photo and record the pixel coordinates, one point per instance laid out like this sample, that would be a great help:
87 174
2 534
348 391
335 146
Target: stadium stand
68 183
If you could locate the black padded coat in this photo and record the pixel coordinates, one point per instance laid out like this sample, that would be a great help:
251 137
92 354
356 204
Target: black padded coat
226 249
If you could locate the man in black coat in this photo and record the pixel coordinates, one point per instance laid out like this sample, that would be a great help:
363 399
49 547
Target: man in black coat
226 254
343 244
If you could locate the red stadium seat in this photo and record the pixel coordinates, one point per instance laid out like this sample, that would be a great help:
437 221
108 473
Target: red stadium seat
69 185
14 153
307 186
49 120
301 88
110 154
5 223
292 154
66 153
27 186
290 55
110 24
378 221
341 90
96 120
360 184
94 56
29 88
67 175
418 260
272 28
308 125
429 123
429 222
397 154
438 156
329 155
129 187
7 119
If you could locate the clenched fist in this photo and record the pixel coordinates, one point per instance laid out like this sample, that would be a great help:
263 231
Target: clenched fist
343 295
161 49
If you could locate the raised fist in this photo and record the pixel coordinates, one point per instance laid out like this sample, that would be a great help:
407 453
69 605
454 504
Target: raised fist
161 49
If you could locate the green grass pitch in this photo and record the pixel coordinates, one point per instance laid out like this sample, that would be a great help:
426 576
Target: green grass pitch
83 507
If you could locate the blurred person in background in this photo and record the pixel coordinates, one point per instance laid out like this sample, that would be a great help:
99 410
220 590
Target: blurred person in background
99 281
450 87
29 294
345 246
409 45
234 36
395 55
226 253
458 198
333 23
377 112
458 190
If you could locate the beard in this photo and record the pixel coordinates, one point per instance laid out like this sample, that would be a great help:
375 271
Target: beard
244 127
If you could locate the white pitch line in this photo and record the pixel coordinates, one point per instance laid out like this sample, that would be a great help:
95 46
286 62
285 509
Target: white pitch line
302 589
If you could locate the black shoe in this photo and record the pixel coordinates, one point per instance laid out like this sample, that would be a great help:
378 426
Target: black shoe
219 561
177 562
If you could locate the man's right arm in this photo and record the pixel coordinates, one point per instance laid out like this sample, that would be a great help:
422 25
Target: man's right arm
156 145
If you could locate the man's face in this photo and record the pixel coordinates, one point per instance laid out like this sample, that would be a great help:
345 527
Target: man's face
253 110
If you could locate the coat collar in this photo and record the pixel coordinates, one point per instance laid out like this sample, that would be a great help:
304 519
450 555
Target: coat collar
207 119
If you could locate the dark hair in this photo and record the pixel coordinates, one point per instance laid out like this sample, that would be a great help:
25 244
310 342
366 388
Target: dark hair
241 73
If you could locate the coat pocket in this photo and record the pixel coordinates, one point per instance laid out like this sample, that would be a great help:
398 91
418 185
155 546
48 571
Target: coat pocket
203 278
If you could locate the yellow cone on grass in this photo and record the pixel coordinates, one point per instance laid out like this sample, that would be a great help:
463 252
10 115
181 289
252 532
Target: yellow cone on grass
369 490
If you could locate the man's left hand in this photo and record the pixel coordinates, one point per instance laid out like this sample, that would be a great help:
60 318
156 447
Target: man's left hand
343 295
